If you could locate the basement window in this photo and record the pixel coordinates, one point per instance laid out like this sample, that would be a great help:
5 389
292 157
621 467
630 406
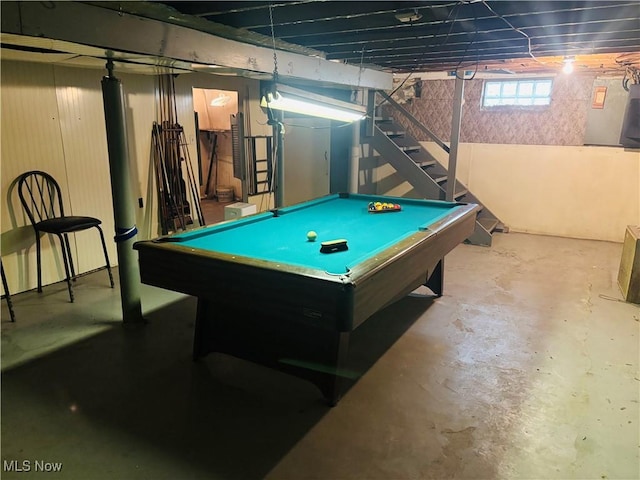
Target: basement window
517 93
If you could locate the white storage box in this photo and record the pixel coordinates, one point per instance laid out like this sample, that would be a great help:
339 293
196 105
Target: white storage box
239 209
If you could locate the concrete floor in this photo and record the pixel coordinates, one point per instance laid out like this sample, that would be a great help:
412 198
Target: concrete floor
527 367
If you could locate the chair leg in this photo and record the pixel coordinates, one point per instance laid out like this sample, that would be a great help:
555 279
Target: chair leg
106 255
66 267
38 262
68 247
7 294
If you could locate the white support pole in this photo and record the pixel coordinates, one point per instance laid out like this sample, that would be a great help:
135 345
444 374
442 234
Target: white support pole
123 206
354 171
458 101
278 138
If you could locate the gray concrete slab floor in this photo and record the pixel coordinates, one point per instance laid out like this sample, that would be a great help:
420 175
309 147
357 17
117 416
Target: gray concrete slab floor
526 368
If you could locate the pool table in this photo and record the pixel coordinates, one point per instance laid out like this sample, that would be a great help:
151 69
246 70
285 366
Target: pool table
267 294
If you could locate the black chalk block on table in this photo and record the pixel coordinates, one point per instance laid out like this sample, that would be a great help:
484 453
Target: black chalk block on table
332 246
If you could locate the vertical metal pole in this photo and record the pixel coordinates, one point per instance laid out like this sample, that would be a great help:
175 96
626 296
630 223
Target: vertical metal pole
458 98
278 136
372 111
369 97
123 206
354 171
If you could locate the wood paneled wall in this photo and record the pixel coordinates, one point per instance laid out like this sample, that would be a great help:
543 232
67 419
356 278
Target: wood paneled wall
53 120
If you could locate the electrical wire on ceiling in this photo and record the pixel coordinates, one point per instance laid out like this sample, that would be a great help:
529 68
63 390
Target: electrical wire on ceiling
278 126
631 64
273 121
273 39
475 35
454 11
515 29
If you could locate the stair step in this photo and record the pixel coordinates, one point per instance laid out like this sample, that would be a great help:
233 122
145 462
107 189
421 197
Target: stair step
426 163
394 133
461 193
391 137
410 148
442 179
501 227
488 223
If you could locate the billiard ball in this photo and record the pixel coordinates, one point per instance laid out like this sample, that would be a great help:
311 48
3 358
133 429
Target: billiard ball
311 236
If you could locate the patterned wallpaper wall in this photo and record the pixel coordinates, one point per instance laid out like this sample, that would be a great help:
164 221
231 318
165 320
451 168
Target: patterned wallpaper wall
563 122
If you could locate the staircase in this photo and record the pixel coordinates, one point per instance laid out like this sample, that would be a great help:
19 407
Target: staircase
422 171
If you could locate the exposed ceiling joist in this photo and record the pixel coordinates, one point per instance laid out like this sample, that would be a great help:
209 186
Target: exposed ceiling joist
114 33
352 43
430 36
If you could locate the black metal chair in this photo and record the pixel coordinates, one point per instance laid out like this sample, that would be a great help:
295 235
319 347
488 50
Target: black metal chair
41 198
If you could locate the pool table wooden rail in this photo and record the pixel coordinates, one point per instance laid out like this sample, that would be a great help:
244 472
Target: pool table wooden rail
337 302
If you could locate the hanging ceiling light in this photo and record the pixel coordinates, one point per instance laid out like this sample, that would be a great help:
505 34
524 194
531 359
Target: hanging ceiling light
221 100
408 16
289 99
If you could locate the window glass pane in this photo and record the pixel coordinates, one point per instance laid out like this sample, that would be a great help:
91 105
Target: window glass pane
527 92
541 101
525 89
492 89
509 88
543 89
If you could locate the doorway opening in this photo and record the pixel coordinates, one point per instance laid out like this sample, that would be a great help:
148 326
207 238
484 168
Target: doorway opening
218 186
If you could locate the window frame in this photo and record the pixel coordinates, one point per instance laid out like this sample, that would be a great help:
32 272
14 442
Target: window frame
517 98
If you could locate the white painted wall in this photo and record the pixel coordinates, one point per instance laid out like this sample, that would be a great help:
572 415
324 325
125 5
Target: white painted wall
49 122
567 191
307 149
578 192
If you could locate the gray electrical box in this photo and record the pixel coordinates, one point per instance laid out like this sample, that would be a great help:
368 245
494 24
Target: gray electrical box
604 124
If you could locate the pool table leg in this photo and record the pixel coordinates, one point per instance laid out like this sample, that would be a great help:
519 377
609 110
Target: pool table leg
333 387
436 280
201 313
322 353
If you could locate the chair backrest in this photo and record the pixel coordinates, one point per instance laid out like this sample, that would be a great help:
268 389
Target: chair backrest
40 196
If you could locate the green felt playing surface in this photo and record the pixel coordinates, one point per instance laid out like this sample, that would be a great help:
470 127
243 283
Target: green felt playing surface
283 238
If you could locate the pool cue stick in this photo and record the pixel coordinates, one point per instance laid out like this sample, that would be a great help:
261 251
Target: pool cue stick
213 144
191 177
165 175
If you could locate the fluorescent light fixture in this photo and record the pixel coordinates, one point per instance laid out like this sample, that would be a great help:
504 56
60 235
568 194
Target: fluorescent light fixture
289 99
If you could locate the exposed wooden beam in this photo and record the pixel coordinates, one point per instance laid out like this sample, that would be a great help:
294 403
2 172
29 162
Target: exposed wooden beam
112 30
